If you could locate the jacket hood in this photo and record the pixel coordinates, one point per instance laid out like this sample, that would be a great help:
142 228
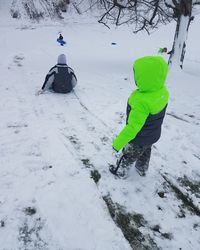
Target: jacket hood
150 73
62 59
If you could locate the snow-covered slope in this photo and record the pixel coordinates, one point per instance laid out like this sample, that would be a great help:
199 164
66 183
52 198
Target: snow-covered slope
51 144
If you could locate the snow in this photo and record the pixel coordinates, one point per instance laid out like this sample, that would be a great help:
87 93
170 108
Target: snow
45 140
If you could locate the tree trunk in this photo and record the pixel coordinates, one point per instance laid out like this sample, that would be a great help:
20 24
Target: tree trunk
184 11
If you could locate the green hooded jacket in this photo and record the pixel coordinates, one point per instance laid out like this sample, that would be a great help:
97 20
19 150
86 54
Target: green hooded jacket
150 98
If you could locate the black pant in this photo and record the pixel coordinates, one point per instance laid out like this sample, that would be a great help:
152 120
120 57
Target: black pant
140 154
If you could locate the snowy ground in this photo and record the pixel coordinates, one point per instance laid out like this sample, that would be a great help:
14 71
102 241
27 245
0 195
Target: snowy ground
49 144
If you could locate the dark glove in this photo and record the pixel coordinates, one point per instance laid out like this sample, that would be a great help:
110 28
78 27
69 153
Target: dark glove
115 150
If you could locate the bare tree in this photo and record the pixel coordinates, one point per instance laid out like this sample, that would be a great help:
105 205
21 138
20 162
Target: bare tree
182 10
148 15
63 5
141 14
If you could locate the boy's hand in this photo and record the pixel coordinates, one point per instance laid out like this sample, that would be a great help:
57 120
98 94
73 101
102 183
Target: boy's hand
116 151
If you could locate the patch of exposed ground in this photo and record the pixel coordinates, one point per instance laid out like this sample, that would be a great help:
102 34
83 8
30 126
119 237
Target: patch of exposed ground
131 225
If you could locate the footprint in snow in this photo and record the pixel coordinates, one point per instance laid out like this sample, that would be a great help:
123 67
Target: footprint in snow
18 60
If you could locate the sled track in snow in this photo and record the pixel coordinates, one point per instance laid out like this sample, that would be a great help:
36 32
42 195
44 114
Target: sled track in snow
94 128
91 113
180 118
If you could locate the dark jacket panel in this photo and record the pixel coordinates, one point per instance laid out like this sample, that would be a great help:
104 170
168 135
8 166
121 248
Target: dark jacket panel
62 81
151 131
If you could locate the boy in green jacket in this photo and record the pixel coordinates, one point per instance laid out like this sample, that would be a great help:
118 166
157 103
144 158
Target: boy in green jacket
145 112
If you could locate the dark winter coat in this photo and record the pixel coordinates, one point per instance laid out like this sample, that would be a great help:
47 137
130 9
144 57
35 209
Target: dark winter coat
146 105
151 130
60 37
60 73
